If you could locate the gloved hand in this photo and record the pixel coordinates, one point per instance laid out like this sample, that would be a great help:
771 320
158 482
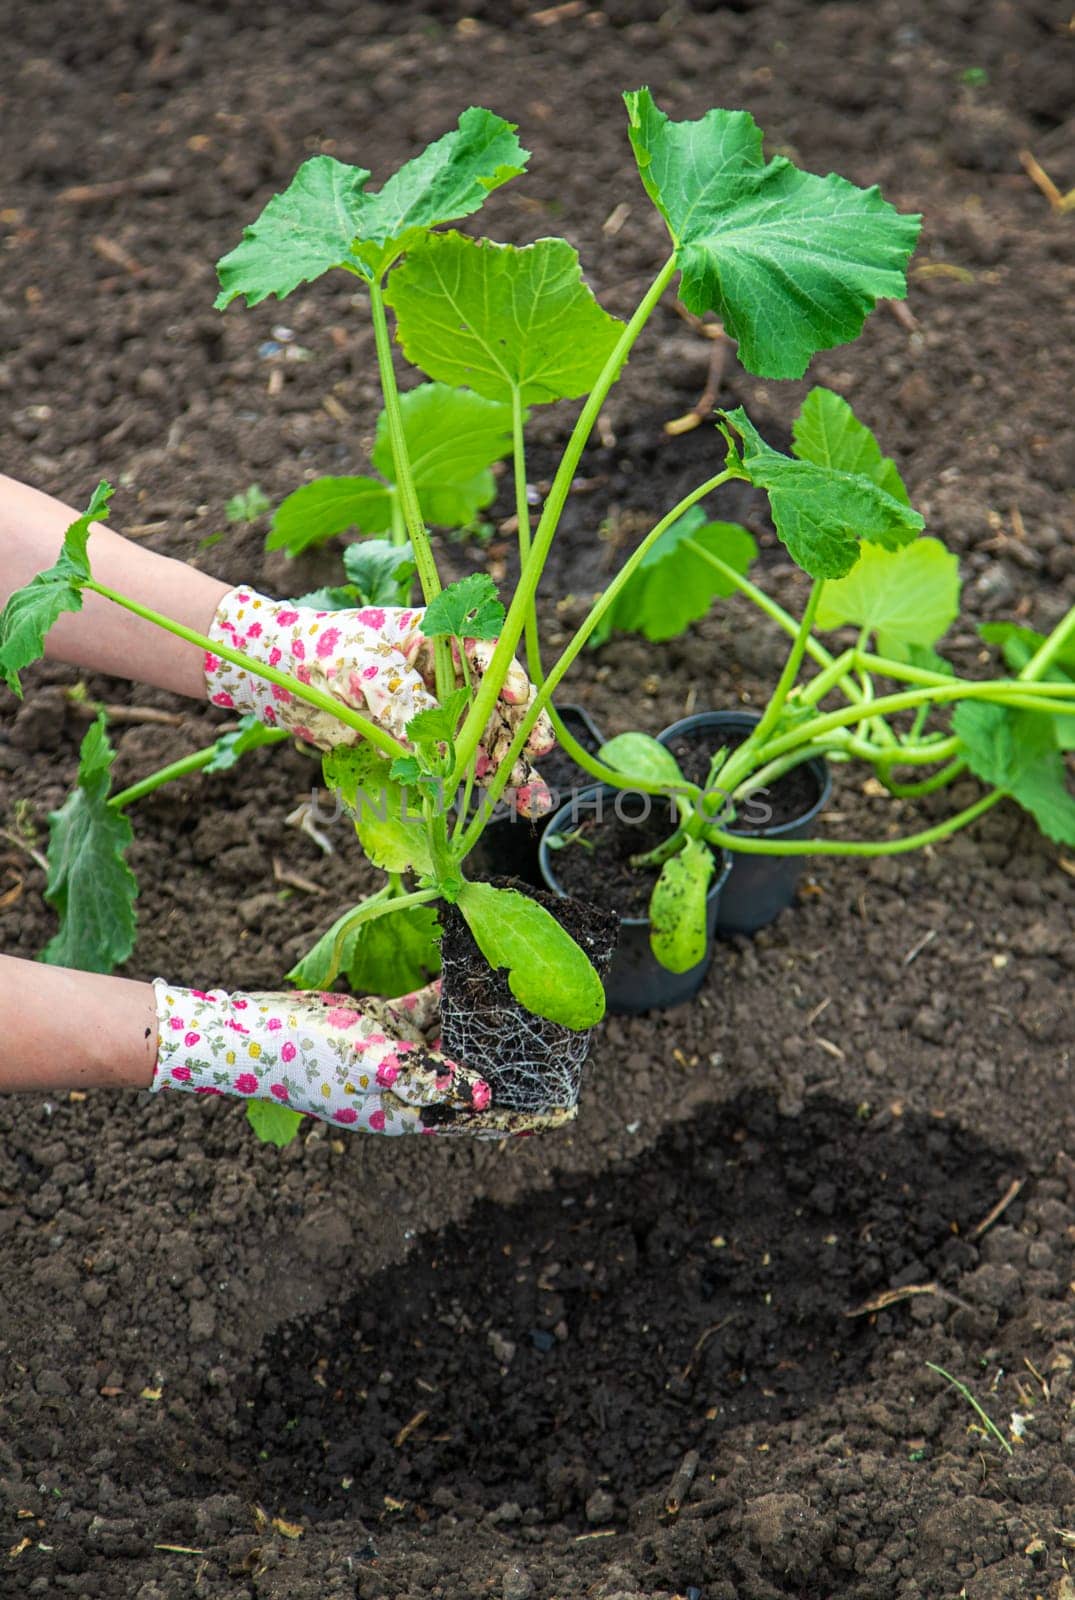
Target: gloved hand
370 1065
374 660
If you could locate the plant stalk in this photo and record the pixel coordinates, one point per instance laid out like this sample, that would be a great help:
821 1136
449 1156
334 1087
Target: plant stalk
522 517
748 844
1047 652
428 576
529 578
543 698
197 761
301 691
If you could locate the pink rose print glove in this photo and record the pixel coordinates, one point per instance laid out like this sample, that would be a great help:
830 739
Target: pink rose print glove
368 1065
375 660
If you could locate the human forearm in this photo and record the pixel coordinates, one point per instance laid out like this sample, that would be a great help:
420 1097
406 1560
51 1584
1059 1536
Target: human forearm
102 637
70 1030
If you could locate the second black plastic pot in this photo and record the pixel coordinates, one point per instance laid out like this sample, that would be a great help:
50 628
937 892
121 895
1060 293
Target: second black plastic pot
508 848
636 981
759 887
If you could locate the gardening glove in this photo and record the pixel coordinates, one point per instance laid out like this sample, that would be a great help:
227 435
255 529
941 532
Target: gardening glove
375 660
370 1065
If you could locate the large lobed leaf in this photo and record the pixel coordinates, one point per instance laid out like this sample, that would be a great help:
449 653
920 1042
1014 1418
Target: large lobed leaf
89 884
503 321
453 437
673 585
791 262
31 611
906 597
548 972
1017 751
325 218
821 513
392 838
828 433
466 609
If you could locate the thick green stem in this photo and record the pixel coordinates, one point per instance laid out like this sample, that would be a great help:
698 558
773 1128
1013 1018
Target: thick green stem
1047 652
428 576
747 844
301 691
783 619
529 578
771 715
939 780
197 761
544 695
522 517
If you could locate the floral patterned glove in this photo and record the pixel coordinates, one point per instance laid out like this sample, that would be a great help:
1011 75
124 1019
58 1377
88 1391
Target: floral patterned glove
375 660
376 1069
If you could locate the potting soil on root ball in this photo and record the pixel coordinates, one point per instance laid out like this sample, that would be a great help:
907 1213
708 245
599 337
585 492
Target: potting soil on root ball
529 1063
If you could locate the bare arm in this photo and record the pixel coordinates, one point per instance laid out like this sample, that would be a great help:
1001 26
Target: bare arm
74 1030
102 637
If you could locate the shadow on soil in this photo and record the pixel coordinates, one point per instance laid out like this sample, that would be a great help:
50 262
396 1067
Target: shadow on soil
588 1336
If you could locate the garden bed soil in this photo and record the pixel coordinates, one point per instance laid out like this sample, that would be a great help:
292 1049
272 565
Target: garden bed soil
638 1357
786 800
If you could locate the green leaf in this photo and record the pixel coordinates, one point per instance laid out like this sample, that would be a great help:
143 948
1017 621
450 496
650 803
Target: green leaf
89 884
501 320
326 219
639 756
328 506
272 1122
439 723
1017 751
673 585
406 770
387 955
31 611
790 262
453 437
249 735
677 910
468 609
821 514
907 596
393 838
248 504
1018 645
301 233
548 972
828 433
379 569
394 954
449 180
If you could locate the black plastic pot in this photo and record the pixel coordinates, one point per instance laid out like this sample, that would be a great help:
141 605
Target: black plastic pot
509 846
760 887
636 981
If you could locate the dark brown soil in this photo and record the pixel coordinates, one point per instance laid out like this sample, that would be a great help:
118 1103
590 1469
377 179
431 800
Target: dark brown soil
854 1091
596 862
786 800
